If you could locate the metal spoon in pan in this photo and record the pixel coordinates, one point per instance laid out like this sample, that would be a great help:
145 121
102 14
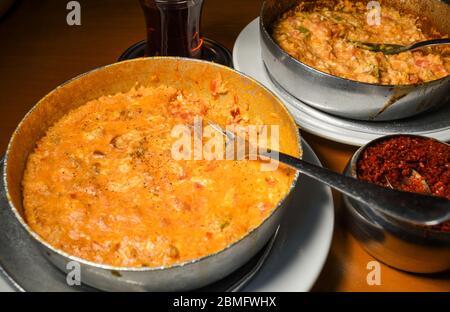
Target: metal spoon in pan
390 49
414 208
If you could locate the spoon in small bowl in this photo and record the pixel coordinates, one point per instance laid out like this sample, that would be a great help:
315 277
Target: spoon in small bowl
390 49
414 179
419 209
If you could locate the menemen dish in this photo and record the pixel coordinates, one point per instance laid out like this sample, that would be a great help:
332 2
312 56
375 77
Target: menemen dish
328 38
102 184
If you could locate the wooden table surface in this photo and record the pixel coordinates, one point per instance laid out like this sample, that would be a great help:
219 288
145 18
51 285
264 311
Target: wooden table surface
38 51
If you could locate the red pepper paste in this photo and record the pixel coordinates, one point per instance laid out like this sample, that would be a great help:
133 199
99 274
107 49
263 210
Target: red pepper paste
392 162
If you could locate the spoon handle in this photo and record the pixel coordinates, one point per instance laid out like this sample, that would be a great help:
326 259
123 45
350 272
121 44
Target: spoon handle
429 43
408 207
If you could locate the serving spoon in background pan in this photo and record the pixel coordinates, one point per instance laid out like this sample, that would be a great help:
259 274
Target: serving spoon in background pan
390 49
419 209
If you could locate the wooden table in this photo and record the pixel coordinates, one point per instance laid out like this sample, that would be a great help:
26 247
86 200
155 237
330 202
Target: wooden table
39 51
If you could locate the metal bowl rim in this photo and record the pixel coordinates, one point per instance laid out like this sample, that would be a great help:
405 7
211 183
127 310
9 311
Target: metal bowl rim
313 70
144 269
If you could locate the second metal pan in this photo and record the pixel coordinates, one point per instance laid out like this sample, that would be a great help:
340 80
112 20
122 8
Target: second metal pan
348 98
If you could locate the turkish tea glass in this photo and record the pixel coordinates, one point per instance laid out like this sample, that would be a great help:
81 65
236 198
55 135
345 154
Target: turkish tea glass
173 27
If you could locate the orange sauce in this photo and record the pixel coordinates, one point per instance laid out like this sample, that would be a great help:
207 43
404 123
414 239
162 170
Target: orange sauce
102 184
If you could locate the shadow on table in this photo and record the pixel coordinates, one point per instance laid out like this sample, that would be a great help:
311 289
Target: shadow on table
8 12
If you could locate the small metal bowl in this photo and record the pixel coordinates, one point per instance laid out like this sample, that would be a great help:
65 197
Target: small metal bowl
398 244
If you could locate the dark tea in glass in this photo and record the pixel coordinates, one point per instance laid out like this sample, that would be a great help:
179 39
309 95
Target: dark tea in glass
173 27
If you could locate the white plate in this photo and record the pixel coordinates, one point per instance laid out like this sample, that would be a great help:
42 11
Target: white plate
304 240
295 262
247 59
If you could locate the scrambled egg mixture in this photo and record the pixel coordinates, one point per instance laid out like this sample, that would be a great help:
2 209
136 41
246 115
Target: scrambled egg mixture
102 184
324 37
